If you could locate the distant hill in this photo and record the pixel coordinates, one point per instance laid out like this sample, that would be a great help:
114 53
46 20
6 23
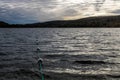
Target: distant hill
3 24
101 21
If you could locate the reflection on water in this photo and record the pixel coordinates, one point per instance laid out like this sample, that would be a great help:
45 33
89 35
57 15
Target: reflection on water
68 54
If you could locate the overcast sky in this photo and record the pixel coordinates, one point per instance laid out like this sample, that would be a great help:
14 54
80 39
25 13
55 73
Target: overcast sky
31 11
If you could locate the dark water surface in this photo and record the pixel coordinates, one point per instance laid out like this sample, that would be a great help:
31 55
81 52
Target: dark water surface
68 54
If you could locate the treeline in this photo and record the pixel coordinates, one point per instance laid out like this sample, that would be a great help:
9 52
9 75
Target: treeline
3 24
102 21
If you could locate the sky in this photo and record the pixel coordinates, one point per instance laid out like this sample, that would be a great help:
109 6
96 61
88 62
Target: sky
32 11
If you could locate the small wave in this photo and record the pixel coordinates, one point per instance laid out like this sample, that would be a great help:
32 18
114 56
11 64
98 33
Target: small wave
90 62
58 51
55 55
66 75
105 49
20 74
2 54
114 76
25 71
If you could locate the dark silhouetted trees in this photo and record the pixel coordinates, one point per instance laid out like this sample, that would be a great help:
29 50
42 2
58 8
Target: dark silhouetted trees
101 21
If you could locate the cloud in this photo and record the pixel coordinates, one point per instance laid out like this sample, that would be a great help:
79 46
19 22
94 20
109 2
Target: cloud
116 11
31 11
26 11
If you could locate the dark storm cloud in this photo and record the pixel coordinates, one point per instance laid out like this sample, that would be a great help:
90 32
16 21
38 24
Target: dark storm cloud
116 11
16 16
70 12
98 4
26 11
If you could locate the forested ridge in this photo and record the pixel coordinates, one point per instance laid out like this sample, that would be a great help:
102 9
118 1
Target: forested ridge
101 21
